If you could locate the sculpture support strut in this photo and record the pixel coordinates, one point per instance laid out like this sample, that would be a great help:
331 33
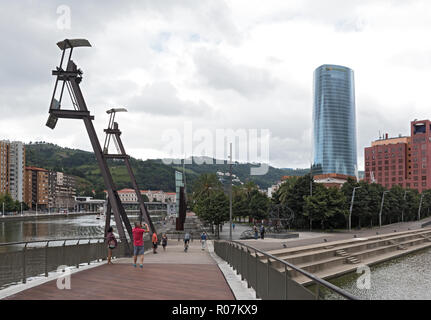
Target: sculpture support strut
71 78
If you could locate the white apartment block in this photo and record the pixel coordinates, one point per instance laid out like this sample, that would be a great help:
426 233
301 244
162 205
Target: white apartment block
12 168
16 170
129 195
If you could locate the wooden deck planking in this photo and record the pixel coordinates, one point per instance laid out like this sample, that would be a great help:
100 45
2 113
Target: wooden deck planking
124 282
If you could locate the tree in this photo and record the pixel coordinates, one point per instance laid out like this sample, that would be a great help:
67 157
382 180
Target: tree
213 209
258 205
205 184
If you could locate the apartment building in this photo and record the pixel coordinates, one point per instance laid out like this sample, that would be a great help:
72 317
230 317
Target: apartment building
62 190
129 195
16 170
404 161
36 188
4 167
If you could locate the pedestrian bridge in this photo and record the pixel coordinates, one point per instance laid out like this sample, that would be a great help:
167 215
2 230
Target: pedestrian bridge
32 269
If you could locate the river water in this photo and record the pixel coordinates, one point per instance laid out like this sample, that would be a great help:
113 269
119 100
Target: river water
55 228
404 278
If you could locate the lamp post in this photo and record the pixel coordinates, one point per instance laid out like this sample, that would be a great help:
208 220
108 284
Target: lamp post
351 207
381 208
420 206
21 208
311 192
3 208
402 212
230 193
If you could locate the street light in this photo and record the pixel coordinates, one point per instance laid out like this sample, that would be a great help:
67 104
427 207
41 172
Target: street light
381 208
230 194
420 206
402 212
351 207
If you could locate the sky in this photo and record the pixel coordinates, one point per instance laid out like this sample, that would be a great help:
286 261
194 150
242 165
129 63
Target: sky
239 64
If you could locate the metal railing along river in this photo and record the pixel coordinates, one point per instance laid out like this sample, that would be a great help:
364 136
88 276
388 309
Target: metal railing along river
22 260
268 283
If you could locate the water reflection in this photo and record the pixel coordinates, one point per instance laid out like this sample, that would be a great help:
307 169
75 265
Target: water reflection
55 228
404 278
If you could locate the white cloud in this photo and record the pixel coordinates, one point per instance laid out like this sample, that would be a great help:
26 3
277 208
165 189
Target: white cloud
221 64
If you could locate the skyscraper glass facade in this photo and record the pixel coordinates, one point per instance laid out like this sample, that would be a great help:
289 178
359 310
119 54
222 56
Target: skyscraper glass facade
334 121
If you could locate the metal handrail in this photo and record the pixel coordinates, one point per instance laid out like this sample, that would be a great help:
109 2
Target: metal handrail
52 240
305 273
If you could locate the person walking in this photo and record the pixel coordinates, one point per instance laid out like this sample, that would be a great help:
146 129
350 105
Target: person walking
233 226
154 241
138 243
262 232
203 240
164 241
186 241
111 242
256 233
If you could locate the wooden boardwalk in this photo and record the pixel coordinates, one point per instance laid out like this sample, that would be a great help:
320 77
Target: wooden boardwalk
170 275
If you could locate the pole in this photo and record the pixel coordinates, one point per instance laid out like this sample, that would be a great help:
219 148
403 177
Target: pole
351 208
230 194
36 207
21 208
3 208
381 209
420 206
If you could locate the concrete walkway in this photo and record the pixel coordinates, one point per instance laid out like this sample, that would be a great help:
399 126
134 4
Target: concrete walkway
307 238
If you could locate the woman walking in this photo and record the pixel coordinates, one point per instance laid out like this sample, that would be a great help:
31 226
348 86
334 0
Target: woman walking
112 243
164 241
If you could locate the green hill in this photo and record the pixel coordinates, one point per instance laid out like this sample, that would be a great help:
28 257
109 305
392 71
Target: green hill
150 174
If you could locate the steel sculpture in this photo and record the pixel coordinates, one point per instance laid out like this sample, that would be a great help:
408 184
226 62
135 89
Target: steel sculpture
70 78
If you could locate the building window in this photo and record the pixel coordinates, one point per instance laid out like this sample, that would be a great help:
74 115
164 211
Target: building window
424 177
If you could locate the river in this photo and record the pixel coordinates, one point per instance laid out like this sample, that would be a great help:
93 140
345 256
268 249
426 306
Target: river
403 278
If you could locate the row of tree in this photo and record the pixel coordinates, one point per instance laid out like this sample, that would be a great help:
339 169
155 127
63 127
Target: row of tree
316 206
11 205
210 201
301 203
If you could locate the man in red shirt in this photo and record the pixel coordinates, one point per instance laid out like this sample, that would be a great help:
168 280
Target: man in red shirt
138 243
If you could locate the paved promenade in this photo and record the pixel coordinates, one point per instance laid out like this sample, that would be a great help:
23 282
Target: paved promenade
170 275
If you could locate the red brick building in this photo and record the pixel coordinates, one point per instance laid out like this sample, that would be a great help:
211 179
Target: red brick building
404 161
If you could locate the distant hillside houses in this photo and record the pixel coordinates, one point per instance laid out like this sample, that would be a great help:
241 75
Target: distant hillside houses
222 176
129 195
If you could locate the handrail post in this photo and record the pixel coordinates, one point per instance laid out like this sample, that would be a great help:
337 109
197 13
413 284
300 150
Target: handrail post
77 246
24 276
246 267
240 263
255 253
285 282
317 290
267 279
89 258
64 254
46 258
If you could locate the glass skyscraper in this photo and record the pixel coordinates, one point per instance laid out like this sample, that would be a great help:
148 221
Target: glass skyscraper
334 121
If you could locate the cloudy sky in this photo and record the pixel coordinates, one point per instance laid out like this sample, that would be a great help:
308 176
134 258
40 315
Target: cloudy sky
238 64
